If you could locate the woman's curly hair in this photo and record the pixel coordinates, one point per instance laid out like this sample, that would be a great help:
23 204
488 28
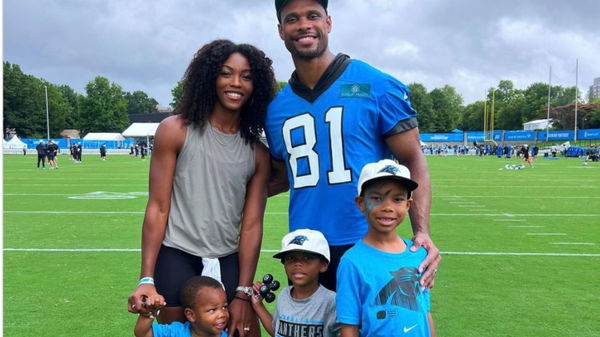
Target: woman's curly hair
199 86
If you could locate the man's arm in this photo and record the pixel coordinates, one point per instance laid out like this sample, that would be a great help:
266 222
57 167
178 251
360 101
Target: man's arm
241 314
278 181
406 147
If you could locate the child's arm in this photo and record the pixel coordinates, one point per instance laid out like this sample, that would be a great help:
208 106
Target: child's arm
259 308
349 330
143 326
431 325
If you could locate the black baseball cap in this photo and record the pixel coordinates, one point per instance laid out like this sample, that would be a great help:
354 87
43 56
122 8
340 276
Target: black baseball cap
279 4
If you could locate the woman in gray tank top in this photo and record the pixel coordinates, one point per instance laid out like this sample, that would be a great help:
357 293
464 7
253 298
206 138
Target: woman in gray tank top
208 185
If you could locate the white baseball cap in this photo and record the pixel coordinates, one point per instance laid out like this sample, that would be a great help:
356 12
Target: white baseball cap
386 168
305 240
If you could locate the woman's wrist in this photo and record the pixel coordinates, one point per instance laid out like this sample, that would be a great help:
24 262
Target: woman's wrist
242 298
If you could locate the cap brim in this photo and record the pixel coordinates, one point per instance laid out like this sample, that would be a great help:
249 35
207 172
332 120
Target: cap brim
283 252
411 185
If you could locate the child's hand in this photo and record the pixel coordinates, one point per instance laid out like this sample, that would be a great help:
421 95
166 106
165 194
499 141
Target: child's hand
153 304
256 298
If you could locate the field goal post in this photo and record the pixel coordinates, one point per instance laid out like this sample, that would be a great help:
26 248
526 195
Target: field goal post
488 121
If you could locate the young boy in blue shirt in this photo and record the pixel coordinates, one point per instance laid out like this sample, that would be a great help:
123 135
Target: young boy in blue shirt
378 290
206 312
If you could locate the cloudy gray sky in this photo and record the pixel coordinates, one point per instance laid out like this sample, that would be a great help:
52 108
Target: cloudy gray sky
469 44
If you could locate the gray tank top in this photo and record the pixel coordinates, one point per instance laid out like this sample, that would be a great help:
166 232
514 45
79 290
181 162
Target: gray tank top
209 190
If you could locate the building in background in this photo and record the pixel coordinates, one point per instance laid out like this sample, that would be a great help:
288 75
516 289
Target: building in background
594 90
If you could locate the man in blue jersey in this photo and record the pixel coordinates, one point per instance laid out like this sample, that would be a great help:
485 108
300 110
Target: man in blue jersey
336 115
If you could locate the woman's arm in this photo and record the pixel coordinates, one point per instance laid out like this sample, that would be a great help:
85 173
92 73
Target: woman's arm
168 141
250 238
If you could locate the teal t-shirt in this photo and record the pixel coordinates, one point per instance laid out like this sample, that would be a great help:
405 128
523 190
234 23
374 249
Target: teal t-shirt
380 292
175 329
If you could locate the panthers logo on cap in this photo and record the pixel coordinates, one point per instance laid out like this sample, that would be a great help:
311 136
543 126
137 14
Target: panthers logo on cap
298 240
393 170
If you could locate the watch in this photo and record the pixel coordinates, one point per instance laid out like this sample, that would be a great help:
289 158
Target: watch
246 290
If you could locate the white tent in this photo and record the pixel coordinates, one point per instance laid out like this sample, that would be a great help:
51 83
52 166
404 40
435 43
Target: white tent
13 143
141 130
538 124
104 136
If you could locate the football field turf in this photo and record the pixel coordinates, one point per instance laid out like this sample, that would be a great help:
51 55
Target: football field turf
521 248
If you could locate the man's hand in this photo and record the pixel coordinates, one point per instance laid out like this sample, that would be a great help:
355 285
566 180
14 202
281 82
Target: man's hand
430 264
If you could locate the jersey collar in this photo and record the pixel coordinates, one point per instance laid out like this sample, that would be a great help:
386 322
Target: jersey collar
331 74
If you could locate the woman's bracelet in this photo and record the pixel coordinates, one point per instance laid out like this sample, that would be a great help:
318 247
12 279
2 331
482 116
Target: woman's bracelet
146 280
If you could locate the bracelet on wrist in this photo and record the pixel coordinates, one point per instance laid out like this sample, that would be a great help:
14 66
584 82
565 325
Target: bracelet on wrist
146 280
246 290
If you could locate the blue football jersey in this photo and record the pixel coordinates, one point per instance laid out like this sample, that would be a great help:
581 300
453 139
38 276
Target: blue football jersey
326 137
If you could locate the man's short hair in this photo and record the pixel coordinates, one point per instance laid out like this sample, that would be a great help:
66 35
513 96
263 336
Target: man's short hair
280 4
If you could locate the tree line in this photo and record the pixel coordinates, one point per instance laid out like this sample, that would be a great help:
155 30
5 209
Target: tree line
442 109
105 106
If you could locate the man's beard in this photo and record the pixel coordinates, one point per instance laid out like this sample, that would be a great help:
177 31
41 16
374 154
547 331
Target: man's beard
308 55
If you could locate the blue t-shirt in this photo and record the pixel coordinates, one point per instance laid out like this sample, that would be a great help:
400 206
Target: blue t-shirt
380 291
175 329
325 141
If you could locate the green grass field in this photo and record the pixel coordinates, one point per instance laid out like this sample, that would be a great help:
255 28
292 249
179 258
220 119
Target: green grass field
521 249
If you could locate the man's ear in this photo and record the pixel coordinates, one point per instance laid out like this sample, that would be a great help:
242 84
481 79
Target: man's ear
328 22
324 266
280 30
189 315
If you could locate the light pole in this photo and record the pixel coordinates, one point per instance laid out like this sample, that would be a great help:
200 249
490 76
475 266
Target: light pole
47 119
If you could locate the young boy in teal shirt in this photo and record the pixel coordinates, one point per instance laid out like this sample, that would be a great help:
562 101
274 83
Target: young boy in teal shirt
206 312
378 290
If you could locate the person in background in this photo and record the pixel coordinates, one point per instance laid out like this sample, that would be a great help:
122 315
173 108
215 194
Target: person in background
103 152
41 149
52 152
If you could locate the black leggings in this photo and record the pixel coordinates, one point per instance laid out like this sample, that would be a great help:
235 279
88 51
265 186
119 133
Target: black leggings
174 267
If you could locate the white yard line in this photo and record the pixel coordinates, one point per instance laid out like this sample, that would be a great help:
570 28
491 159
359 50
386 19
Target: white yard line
547 234
516 196
526 226
509 215
100 250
